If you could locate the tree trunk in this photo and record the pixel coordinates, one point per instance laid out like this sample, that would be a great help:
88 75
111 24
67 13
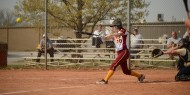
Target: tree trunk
79 29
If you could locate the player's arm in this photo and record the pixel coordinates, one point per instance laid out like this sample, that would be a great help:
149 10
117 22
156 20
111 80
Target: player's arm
108 37
130 32
175 52
120 33
187 23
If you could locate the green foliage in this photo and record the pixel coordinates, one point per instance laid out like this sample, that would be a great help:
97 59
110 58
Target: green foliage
77 14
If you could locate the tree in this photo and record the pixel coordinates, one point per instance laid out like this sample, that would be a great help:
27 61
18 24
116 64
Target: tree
77 14
7 18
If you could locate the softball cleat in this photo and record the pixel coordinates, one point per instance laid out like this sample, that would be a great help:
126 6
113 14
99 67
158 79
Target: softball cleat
102 82
141 79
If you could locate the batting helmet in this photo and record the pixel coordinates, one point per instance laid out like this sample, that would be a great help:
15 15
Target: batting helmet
117 23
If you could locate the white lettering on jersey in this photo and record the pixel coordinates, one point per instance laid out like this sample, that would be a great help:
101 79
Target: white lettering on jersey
118 43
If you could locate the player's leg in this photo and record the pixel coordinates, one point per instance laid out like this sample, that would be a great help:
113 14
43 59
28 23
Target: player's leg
183 74
109 74
105 80
140 77
51 53
39 55
98 42
182 78
113 67
93 41
121 56
126 71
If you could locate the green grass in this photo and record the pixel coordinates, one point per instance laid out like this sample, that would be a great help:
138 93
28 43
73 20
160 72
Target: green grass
12 67
89 65
74 67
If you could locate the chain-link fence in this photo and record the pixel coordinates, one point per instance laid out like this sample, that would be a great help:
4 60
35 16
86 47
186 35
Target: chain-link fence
71 47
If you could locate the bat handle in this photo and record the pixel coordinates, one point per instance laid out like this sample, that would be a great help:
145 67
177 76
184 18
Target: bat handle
188 15
186 7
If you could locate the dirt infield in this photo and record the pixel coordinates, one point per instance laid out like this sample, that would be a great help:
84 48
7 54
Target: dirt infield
82 82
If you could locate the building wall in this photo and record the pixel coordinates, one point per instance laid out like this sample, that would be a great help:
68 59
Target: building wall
156 30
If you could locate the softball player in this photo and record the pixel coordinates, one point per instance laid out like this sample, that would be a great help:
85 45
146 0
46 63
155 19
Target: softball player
184 60
120 36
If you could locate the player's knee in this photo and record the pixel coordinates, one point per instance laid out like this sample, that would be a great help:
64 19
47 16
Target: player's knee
113 68
127 72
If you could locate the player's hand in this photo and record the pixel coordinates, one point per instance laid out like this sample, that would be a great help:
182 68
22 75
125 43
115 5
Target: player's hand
187 64
107 37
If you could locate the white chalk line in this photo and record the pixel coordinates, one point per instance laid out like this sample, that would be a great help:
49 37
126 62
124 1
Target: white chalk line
36 90
163 82
146 82
47 79
81 86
